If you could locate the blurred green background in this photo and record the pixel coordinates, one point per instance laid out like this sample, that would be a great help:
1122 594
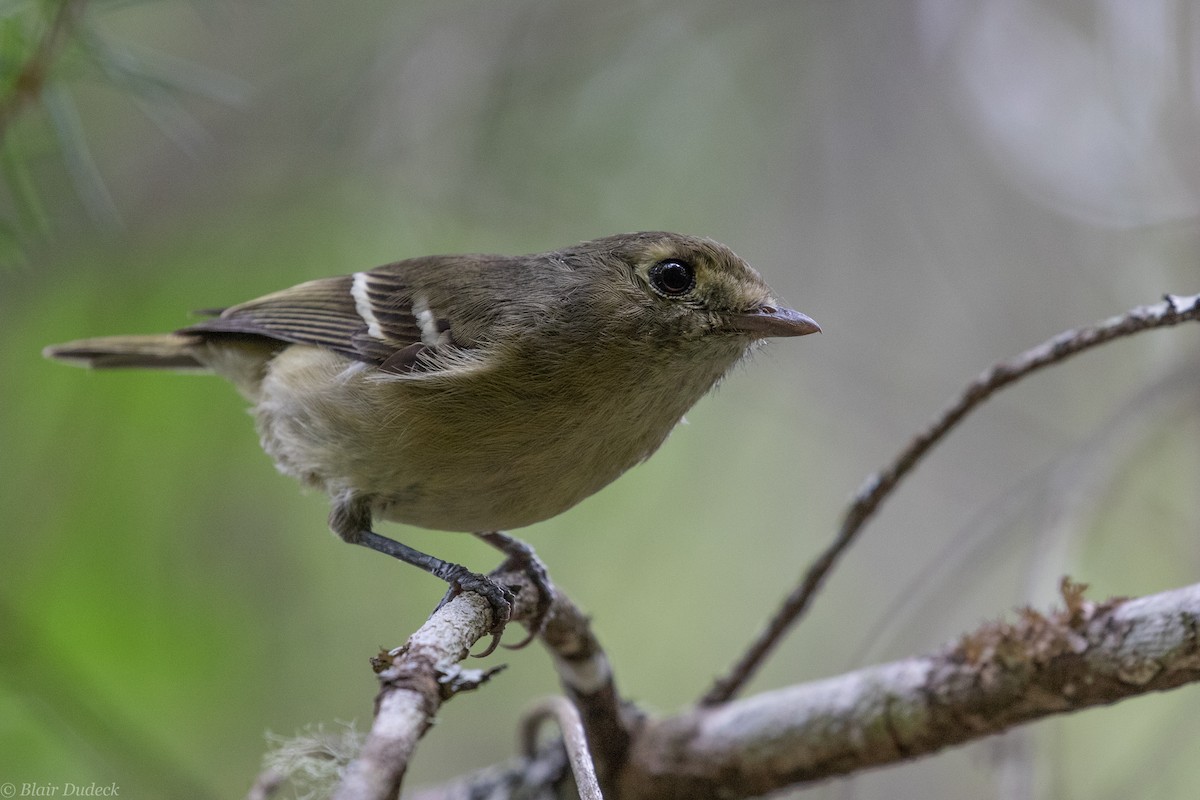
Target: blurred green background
940 185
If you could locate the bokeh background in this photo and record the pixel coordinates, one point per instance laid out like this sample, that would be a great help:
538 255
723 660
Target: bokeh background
940 184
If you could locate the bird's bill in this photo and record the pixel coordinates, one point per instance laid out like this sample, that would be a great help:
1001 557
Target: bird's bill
772 320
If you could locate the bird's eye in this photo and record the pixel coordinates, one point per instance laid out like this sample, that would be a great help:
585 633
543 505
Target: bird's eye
672 278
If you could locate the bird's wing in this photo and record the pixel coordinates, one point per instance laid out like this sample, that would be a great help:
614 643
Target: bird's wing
373 316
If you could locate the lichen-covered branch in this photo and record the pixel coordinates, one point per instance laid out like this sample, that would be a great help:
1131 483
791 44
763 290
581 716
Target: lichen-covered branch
417 678
1000 676
414 682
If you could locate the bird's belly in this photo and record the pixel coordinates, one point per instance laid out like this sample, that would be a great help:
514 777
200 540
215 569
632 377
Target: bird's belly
457 457
509 480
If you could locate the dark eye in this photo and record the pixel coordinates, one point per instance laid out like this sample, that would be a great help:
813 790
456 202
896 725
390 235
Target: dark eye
672 278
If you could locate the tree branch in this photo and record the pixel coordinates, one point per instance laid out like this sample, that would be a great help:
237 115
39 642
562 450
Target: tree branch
414 682
417 678
997 677
587 680
1002 675
1173 310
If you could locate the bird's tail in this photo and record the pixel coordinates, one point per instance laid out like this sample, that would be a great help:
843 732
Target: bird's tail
157 351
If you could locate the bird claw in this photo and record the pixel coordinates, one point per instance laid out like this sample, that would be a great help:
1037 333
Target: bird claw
527 563
521 559
500 598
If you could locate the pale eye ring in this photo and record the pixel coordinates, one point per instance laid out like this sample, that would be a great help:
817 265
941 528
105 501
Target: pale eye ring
672 277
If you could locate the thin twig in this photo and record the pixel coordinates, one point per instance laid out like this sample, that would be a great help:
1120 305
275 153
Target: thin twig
1077 472
567 717
1173 310
31 78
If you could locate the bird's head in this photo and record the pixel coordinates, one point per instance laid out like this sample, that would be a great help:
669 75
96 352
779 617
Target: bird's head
670 284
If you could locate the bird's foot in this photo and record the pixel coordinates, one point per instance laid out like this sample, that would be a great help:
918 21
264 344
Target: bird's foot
522 559
500 598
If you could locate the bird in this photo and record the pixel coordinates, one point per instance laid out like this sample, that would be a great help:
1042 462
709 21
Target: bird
477 393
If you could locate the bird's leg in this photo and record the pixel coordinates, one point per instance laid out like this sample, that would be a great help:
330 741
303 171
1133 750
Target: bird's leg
521 558
459 577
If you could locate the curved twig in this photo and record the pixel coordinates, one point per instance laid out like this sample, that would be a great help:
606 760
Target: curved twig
576 743
1173 310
